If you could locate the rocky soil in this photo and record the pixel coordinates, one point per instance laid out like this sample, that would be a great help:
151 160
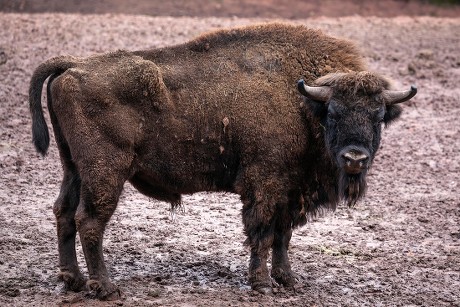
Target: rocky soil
399 247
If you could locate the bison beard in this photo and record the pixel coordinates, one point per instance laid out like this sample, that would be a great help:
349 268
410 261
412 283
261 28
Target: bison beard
352 187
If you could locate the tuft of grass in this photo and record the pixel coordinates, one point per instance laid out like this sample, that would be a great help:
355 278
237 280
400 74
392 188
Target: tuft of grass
334 252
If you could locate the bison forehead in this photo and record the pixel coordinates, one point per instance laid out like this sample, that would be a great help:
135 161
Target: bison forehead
359 102
356 87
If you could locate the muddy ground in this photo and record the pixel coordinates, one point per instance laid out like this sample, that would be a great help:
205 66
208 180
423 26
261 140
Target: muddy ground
399 247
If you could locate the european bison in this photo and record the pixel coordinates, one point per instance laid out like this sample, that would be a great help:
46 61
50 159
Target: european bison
219 113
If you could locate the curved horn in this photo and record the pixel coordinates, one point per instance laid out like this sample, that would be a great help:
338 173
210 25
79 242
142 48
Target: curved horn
394 97
320 93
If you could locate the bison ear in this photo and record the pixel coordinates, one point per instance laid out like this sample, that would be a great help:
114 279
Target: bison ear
392 113
317 93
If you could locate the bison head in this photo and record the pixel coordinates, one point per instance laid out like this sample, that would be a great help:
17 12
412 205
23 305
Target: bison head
351 107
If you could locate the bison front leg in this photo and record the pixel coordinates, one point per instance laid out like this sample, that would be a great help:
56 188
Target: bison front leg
281 268
260 241
267 224
259 205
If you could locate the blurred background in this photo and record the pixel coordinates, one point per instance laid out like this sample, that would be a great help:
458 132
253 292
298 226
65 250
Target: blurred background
290 9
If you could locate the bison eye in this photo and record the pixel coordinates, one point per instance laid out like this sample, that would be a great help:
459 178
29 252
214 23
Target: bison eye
380 116
378 122
331 114
379 119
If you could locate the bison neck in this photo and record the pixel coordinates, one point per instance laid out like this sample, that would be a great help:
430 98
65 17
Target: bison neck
322 176
321 189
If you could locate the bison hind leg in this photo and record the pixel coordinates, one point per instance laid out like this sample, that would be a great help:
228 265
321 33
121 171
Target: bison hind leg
65 207
64 210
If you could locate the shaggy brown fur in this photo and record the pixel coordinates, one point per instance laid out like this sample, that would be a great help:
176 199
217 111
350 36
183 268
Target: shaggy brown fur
219 113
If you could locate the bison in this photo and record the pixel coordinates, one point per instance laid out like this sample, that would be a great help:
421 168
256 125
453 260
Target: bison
219 113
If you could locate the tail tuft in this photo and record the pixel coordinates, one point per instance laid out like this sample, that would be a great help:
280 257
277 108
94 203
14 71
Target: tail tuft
40 135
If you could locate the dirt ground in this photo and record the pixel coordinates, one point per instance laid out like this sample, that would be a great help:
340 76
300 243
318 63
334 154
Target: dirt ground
399 247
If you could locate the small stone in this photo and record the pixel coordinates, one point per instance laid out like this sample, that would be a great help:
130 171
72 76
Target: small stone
411 69
3 57
425 54
154 293
12 292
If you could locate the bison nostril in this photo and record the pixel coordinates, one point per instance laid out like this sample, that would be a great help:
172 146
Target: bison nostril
354 161
355 157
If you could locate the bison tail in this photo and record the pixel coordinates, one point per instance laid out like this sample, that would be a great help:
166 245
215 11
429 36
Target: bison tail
54 66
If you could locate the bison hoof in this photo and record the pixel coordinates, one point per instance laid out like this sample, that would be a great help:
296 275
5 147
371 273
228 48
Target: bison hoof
72 281
105 291
284 277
